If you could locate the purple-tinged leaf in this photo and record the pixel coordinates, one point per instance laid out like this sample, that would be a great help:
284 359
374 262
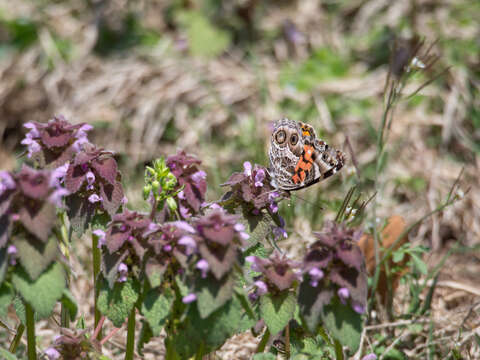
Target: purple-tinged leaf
106 168
350 254
33 183
220 258
38 219
212 293
112 196
75 178
116 236
353 280
318 256
55 136
80 212
5 230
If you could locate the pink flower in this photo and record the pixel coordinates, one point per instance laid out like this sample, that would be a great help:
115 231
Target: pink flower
189 243
52 353
259 177
203 266
94 198
189 298
261 287
247 168
343 294
101 237
315 275
122 272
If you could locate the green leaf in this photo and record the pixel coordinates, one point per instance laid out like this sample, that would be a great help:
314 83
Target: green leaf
43 292
3 263
419 264
257 226
6 298
212 293
70 303
398 256
20 309
211 332
343 323
145 336
117 303
264 356
156 307
7 355
35 256
277 310
204 38
312 301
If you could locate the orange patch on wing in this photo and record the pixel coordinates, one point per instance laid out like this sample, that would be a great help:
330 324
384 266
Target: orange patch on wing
308 153
296 178
302 175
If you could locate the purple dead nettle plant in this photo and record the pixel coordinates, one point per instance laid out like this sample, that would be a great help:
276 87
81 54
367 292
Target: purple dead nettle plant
124 246
191 179
252 188
333 266
54 143
93 180
27 214
278 274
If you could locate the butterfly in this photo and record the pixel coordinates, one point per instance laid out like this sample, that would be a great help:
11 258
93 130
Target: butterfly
298 158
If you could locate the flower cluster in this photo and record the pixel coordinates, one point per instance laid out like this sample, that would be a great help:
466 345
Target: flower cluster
336 263
93 180
278 273
170 245
73 345
27 214
219 237
160 185
191 180
125 245
54 143
253 187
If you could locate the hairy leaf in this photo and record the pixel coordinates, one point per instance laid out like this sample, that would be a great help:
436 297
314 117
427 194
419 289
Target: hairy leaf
343 324
213 293
6 298
156 307
106 168
42 293
36 256
277 310
117 303
312 300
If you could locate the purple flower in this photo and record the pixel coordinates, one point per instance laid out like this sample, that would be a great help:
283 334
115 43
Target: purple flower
343 294
90 176
203 266
167 248
315 275
279 232
239 228
256 266
189 298
273 206
358 308
94 198
370 356
52 353
101 237
259 177
189 244
199 176
122 272
261 287
56 197
185 212
12 252
247 168
183 225
32 146
273 195
58 175
124 200
33 133
6 182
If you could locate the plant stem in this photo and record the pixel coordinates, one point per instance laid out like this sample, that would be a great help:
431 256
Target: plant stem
338 350
16 339
32 353
96 270
65 238
263 342
130 335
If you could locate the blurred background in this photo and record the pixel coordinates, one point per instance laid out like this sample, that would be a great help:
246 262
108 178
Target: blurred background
211 76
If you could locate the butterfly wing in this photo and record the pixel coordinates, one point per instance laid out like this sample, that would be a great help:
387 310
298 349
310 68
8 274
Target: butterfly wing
295 165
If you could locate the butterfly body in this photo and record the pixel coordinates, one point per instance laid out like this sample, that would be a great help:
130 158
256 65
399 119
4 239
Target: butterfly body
298 158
